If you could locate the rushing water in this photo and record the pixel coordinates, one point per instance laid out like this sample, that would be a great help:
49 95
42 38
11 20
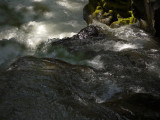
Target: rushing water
115 76
30 22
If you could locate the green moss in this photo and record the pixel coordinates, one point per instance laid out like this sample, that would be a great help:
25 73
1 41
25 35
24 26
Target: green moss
107 14
132 18
124 21
105 5
98 8
102 1
119 6
117 10
98 11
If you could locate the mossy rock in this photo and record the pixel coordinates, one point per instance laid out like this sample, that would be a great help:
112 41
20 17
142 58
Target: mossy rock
123 21
94 7
109 13
97 12
119 6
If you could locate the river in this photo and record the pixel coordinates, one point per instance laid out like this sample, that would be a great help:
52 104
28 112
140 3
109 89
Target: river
114 76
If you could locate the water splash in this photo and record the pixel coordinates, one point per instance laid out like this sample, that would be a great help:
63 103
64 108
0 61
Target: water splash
44 19
32 22
131 36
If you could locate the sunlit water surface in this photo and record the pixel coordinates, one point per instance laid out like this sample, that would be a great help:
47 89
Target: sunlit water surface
31 22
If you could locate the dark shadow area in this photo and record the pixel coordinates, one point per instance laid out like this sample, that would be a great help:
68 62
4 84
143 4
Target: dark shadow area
9 16
157 22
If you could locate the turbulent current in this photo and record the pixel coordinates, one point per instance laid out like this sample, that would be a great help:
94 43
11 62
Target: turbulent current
27 23
112 76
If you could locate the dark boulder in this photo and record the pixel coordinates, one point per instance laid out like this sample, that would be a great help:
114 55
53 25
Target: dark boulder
88 32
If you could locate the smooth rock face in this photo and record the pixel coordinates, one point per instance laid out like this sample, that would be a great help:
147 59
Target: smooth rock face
49 89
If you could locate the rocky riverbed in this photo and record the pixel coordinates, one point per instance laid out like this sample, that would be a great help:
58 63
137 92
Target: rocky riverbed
100 73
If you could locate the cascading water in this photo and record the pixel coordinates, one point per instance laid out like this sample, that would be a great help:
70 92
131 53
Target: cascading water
30 22
114 76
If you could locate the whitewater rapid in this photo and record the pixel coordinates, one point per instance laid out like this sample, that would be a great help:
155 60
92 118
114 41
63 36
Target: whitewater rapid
25 24
41 20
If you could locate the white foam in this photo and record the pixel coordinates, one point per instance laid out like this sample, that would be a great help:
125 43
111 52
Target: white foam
134 36
96 62
62 18
137 89
71 5
120 47
154 67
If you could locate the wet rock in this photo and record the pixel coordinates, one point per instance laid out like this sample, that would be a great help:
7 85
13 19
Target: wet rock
136 58
88 32
49 89
131 107
128 70
94 9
